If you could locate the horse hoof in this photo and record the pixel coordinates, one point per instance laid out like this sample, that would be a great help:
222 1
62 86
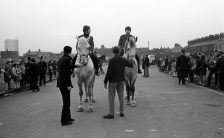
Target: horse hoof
128 103
80 110
86 100
133 105
93 100
90 110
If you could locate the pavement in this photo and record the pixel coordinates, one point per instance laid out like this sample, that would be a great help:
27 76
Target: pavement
164 109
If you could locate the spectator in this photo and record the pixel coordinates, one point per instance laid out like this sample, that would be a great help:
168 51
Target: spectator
202 68
182 67
23 72
50 69
192 66
42 68
19 72
212 69
145 66
34 75
14 74
7 79
220 68
173 68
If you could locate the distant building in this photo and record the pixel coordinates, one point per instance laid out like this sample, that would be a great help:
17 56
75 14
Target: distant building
177 48
109 53
9 54
206 44
46 55
12 45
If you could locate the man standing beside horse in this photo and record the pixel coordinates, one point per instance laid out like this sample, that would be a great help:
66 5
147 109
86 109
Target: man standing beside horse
122 41
64 83
86 34
115 76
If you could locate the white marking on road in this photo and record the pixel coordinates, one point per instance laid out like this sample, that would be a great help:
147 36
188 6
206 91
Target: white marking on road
118 112
221 128
129 130
153 130
1 124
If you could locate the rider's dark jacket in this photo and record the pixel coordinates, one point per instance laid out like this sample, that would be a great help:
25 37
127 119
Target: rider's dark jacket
122 40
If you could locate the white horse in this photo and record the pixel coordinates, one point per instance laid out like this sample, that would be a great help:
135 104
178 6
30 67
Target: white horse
131 73
85 73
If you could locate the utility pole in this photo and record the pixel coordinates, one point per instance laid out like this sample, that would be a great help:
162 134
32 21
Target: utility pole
148 45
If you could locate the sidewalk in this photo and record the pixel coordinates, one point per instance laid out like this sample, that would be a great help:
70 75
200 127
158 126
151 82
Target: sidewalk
12 92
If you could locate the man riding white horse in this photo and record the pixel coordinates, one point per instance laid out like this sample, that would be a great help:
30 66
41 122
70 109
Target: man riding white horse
130 73
122 41
86 34
85 74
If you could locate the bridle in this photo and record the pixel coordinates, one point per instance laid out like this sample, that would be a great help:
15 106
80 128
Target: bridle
85 56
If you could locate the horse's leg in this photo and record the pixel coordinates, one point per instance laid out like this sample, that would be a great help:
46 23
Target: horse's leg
89 88
133 103
92 85
128 91
85 86
80 108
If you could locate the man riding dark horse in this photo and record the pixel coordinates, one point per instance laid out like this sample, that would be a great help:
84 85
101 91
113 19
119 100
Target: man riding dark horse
86 34
121 44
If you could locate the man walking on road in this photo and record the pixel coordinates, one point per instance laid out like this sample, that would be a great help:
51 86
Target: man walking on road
64 83
115 76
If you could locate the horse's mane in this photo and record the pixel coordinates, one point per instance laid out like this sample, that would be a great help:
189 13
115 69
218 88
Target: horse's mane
83 46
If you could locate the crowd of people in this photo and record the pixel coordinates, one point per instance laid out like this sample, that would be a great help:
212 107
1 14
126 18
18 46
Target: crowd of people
189 66
27 73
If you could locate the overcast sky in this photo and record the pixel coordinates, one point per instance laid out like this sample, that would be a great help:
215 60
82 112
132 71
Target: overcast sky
51 24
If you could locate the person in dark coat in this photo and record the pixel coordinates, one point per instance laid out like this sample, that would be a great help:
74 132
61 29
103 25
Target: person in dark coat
212 69
42 67
34 72
220 69
86 34
64 83
145 66
182 67
115 77
121 44
202 69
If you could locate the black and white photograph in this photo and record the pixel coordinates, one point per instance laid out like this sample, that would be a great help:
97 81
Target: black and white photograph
111 69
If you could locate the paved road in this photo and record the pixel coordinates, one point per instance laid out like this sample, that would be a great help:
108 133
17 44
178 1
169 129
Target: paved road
165 110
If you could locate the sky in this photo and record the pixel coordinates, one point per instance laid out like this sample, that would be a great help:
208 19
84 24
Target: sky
49 25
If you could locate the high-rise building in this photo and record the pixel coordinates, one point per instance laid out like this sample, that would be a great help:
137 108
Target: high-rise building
12 45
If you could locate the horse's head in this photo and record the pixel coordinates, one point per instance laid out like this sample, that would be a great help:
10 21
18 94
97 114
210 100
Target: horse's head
84 59
130 43
83 46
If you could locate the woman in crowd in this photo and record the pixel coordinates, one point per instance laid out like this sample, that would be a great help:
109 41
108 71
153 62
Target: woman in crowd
192 66
14 76
202 68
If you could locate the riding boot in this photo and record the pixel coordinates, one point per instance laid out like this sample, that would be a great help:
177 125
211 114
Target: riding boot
95 62
137 59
